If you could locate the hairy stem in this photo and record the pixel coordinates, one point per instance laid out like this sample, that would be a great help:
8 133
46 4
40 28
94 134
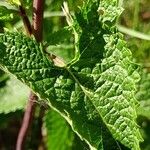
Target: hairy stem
27 120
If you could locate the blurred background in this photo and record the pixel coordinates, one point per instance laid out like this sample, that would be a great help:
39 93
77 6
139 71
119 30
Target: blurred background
134 23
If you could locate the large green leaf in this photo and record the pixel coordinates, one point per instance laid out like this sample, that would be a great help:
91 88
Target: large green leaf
95 94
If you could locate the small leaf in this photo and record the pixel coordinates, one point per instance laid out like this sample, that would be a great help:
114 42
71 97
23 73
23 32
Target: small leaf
59 43
6 14
59 134
13 96
3 77
58 37
143 94
27 3
14 2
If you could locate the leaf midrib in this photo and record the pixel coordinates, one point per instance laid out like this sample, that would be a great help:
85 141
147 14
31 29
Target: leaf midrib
85 92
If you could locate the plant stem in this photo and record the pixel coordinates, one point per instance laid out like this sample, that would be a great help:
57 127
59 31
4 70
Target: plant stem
136 15
26 21
27 120
37 23
37 28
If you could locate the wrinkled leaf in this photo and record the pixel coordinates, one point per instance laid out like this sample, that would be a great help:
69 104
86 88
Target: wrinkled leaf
95 93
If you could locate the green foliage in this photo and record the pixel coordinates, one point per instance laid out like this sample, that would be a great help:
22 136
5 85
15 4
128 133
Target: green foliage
3 78
13 96
27 3
14 2
60 44
6 14
58 131
143 94
97 98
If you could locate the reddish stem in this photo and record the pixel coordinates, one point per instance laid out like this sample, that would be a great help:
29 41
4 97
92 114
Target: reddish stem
37 23
27 120
37 28
26 21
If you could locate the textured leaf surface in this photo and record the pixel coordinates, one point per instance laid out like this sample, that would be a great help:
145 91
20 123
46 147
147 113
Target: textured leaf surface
13 96
57 127
96 93
48 81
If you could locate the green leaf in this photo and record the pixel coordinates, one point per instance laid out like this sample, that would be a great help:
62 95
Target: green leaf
27 3
6 14
96 93
14 2
13 96
54 84
57 127
78 144
143 94
3 78
58 37
59 44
